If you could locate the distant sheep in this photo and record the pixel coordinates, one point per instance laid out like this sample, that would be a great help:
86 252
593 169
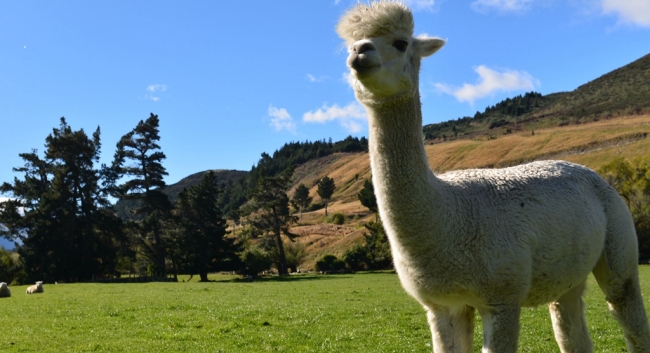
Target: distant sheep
4 290
37 288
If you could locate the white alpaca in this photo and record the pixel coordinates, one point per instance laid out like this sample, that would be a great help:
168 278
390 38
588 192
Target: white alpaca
4 290
37 288
490 240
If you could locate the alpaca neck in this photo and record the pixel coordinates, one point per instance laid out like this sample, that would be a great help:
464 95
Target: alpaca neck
406 189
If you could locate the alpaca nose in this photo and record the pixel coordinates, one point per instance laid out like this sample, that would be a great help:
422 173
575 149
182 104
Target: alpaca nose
363 46
364 57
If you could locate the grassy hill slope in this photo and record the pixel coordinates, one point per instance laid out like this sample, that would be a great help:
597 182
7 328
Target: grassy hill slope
624 89
593 144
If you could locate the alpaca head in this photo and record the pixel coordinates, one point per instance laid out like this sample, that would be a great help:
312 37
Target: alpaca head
384 57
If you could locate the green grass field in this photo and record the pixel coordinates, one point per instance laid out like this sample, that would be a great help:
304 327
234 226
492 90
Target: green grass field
303 313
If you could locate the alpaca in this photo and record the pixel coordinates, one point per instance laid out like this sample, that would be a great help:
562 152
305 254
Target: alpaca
36 288
491 240
4 290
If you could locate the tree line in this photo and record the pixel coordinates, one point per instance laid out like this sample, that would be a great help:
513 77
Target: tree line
499 114
297 153
61 217
60 213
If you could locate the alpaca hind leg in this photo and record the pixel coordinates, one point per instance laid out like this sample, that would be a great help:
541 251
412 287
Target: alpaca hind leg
623 294
569 322
452 329
500 329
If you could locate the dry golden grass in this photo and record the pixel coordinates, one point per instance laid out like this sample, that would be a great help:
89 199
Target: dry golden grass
323 239
592 144
347 169
603 138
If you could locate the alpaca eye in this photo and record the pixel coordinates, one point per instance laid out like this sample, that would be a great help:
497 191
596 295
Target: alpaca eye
400 45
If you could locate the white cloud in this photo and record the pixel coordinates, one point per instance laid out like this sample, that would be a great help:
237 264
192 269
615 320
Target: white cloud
500 5
21 210
350 116
629 11
281 119
157 88
489 82
154 90
313 78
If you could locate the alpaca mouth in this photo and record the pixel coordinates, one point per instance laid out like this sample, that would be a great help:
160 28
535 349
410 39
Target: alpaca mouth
363 65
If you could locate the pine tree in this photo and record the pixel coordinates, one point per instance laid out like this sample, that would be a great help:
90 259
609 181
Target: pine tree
140 147
326 188
367 196
63 229
201 242
301 197
377 246
270 202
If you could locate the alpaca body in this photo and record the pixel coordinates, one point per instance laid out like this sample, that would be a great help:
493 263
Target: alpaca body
463 241
490 240
516 240
532 231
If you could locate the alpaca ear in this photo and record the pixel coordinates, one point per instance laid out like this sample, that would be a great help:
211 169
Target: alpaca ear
426 46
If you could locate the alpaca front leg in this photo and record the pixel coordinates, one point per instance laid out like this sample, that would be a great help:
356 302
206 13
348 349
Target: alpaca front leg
500 329
452 329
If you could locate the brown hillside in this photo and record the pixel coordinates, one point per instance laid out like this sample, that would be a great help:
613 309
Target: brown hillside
592 144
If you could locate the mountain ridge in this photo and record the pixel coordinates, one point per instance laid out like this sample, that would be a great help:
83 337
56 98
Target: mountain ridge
622 91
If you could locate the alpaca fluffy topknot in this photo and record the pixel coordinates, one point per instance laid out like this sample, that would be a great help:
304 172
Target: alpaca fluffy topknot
375 19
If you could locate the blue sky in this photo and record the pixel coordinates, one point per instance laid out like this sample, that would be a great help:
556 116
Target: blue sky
232 79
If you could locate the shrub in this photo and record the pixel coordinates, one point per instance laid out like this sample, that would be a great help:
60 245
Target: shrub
629 179
255 261
377 248
374 254
330 263
295 254
9 268
337 218
250 232
356 258
314 207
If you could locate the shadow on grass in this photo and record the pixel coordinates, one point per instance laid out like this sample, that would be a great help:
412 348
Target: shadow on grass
293 278
309 277
375 272
301 277
236 279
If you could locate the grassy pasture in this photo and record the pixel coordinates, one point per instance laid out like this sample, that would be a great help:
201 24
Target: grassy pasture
304 313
